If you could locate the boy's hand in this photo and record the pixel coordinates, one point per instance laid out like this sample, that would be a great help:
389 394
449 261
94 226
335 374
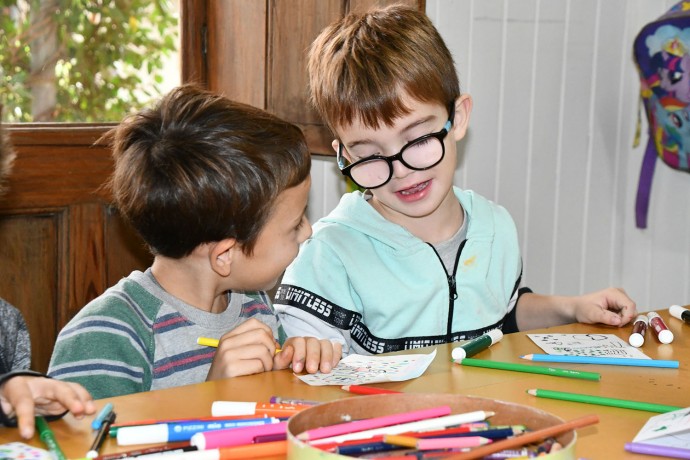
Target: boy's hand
24 396
610 306
247 349
310 354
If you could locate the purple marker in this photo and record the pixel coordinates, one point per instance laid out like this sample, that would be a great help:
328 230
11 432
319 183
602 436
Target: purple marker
653 449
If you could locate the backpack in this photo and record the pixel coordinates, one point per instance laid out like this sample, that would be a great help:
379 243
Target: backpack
662 54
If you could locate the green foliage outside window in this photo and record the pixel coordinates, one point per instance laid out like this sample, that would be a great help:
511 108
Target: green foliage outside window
82 60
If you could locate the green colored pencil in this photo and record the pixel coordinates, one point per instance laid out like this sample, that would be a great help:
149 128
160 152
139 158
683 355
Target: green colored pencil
602 401
556 372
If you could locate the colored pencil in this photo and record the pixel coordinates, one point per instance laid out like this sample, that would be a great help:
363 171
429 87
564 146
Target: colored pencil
654 449
365 390
436 443
421 425
267 449
209 342
556 372
526 438
602 360
602 401
167 449
372 423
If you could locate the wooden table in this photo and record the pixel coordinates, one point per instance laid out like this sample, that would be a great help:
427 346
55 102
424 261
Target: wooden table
602 441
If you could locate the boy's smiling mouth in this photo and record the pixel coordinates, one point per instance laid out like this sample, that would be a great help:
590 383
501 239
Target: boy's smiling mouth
415 189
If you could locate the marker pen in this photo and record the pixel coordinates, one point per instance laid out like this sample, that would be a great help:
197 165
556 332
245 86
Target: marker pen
235 437
636 339
48 438
658 325
225 408
679 312
481 343
181 431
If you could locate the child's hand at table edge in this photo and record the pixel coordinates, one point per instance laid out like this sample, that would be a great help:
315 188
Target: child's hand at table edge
610 306
25 396
308 354
247 349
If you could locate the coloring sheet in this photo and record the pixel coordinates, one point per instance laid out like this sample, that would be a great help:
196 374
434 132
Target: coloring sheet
21 451
608 345
360 369
671 429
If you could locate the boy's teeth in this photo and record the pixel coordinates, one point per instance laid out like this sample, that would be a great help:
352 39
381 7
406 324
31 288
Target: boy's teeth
414 189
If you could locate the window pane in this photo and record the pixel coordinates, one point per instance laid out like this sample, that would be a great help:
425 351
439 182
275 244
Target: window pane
85 60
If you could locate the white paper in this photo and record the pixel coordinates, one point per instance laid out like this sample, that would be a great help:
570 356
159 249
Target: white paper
671 429
360 369
15 450
607 345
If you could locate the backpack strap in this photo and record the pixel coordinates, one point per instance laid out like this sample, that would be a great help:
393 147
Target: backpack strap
644 186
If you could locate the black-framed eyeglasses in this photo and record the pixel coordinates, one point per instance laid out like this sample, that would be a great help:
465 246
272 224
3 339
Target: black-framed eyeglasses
420 154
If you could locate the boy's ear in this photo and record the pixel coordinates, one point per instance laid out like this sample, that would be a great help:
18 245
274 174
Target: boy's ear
463 109
221 256
335 144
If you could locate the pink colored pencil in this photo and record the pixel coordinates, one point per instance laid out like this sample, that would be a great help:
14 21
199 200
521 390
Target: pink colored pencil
235 436
372 423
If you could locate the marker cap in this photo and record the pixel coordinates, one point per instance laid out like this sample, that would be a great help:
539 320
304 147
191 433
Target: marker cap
665 336
459 353
677 311
636 340
145 434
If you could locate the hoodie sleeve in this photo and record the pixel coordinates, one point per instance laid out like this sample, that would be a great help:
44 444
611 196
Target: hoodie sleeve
314 298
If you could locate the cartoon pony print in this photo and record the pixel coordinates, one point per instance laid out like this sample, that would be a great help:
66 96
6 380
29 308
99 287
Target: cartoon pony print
668 49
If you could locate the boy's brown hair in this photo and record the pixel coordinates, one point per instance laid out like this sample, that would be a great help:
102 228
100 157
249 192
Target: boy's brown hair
199 168
362 65
7 155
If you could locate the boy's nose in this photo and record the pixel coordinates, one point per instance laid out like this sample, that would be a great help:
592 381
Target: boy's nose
400 170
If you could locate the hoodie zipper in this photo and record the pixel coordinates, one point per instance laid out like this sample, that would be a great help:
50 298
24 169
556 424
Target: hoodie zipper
452 285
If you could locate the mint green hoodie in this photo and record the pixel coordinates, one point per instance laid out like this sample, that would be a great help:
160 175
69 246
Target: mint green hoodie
372 285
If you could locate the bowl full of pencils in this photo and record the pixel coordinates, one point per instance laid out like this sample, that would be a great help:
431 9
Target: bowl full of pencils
427 426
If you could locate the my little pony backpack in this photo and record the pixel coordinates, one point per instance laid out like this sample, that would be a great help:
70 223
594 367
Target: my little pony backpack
662 55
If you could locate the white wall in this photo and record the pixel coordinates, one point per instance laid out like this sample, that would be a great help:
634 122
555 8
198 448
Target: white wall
555 107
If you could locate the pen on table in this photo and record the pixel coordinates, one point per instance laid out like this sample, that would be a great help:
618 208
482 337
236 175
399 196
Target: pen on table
602 400
556 372
654 449
209 342
680 313
635 362
365 390
640 325
236 436
48 438
116 426
105 411
101 435
268 449
526 438
181 431
659 327
224 408
474 346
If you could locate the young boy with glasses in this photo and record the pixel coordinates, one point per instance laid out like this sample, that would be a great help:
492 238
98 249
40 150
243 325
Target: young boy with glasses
412 261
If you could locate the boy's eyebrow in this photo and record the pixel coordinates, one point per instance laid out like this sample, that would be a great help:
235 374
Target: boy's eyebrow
407 128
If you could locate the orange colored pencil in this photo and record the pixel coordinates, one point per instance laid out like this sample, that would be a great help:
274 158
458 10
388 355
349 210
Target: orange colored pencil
526 438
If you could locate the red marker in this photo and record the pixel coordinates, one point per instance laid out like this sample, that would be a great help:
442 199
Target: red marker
639 330
658 325
363 390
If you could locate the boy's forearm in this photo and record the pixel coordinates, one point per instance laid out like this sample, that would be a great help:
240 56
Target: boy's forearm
535 311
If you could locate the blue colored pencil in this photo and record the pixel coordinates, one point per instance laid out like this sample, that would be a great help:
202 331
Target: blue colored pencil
602 360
